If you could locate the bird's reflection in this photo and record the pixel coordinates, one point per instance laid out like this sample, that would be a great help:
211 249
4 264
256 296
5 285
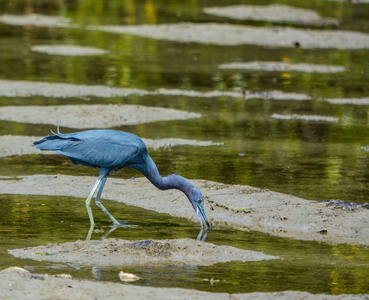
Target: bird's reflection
200 237
202 234
104 236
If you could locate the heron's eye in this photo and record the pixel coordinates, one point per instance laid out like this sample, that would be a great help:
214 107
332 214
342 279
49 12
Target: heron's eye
199 201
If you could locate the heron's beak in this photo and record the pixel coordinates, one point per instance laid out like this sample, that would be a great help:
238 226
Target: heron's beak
201 215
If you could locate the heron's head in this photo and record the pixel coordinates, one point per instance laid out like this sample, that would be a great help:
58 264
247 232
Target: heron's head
197 201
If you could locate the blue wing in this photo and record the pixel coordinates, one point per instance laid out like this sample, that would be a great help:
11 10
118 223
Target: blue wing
97 148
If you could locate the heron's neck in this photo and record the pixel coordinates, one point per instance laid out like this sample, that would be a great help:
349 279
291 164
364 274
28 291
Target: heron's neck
172 181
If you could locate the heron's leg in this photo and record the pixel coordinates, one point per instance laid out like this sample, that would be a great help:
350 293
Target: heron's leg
88 200
89 234
98 203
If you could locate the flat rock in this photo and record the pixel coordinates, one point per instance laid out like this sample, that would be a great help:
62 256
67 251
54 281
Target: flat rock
315 118
68 50
279 66
116 252
353 1
22 88
214 33
353 101
92 116
18 88
276 13
37 20
236 206
232 35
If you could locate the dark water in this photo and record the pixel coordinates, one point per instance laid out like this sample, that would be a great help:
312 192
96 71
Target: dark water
313 160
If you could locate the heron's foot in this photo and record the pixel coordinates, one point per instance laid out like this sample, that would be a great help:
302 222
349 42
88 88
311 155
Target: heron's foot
123 225
116 223
114 220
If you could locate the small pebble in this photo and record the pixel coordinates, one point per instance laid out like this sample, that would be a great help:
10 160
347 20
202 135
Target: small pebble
128 277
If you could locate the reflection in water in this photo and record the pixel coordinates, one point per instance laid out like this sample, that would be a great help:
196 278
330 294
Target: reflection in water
108 232
202 235
307 266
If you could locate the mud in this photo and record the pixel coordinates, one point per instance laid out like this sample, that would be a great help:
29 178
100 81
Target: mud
92 116
276 13
21 145
68 50
236 206
117 252
275 66
18 283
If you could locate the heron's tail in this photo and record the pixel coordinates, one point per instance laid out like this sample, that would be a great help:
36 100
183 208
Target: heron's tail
56 142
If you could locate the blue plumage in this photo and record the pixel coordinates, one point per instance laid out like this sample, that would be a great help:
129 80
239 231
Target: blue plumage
96 148
111 150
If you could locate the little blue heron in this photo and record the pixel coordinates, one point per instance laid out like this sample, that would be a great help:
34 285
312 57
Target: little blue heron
111 150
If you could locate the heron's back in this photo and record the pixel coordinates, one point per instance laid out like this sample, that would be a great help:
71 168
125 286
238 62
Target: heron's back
110 149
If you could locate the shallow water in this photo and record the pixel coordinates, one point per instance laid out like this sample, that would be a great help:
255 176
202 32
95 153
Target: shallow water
308 266
313 160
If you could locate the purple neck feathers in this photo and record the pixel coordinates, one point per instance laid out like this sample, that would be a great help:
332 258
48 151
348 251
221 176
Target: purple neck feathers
165 183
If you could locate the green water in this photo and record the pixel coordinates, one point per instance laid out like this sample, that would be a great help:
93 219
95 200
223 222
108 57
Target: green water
307 266
313 160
